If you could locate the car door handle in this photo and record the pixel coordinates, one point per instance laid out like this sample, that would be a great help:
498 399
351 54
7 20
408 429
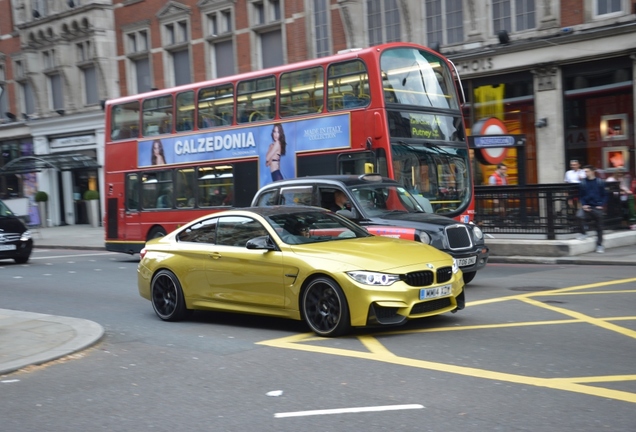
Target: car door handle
215 255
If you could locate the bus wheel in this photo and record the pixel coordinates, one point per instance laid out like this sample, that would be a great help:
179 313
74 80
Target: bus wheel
167 296
324 308
156 232
469 276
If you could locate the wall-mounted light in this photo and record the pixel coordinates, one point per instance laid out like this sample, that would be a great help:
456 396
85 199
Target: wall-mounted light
503 37
60 112
541 123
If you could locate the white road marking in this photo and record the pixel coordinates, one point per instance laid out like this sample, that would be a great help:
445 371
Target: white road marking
70 256
348 410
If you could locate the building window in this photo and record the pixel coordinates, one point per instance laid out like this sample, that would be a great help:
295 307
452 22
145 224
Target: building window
321 27
523 11
48 59
176 37
220 42
266 21
138 64
26 98
40 8
604 7
90 85
56 92
383 20
4 100
444 22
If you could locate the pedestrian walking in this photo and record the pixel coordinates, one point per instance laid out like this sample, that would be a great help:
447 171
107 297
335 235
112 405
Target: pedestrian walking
593 199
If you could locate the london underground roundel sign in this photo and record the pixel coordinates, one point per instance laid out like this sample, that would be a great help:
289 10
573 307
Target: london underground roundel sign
491 126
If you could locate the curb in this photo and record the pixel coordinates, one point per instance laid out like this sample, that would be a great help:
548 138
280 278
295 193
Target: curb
75 335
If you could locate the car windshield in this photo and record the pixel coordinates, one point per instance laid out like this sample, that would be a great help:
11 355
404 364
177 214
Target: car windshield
4 210
378 199
313 227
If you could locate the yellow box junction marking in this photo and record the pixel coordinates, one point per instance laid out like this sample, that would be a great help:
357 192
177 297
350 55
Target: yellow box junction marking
378 352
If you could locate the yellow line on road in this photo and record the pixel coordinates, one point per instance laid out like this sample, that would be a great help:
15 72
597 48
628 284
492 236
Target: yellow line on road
378 352
585 318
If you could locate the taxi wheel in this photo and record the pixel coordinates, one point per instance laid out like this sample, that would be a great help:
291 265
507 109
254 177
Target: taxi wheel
324 308
469 276
167 296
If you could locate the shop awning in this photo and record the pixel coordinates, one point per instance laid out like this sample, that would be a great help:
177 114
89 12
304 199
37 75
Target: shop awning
61 162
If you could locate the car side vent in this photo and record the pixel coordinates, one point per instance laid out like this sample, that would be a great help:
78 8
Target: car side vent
419 278
444 274
458 237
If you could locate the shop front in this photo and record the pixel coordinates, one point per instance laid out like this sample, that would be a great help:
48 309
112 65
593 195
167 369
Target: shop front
599 114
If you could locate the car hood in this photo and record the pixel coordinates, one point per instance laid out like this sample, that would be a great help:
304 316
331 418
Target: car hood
413 220
11 225
374 253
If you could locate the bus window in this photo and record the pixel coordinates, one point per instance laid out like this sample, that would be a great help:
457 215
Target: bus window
185 188
132 192
256 100
185 111
216 106
215 186
347 86
157 190
157 116
124 121
301 92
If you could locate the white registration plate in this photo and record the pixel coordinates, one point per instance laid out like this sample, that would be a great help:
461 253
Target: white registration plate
7 247
463 262
441 291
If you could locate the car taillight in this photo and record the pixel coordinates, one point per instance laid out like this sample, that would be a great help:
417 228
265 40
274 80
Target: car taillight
142 254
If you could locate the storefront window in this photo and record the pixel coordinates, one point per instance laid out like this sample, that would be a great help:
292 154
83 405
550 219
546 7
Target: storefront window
503 105
598 114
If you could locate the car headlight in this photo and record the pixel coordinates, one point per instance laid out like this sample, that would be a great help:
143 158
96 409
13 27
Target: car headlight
424 237
455 266
373 278
26 236
477 232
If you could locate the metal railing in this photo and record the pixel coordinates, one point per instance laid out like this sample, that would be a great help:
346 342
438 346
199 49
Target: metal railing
542 210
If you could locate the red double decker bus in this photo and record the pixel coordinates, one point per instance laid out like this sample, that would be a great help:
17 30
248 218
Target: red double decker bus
173 155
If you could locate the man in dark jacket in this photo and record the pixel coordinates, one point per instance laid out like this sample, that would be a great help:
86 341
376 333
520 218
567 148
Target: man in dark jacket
593 198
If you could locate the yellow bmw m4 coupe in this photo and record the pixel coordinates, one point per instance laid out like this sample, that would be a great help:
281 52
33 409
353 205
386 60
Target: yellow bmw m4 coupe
302 263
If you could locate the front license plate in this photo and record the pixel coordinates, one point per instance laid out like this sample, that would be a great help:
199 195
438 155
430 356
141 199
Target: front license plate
463 262
7 247
441 291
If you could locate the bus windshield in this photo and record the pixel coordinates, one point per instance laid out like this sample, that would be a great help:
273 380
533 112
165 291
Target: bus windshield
428 148
417 78
439 174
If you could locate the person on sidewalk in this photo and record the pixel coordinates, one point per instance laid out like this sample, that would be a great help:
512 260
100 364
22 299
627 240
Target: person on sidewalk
498 177
575 174
593 198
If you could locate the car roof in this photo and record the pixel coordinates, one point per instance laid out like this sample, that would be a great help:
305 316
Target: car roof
346 180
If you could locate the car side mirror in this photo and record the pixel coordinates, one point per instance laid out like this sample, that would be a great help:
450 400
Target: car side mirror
261 242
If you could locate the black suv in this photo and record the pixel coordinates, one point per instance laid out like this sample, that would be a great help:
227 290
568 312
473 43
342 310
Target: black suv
15 238
384 207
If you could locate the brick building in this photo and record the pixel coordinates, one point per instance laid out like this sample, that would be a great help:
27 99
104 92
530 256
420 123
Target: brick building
559 73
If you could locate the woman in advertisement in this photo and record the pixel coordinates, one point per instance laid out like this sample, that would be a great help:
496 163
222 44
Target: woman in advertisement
275 151
158 157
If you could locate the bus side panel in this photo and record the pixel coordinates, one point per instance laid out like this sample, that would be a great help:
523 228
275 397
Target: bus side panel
245 182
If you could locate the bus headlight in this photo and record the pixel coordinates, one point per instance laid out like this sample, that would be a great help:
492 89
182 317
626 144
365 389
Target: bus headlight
373 278
424 237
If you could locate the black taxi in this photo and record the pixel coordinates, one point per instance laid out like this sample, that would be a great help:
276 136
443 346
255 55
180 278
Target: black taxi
384 207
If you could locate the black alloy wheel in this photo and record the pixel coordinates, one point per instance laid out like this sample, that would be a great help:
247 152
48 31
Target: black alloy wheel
167 296
324 308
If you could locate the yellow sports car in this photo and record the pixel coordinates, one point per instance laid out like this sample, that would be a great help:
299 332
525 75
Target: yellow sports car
295 262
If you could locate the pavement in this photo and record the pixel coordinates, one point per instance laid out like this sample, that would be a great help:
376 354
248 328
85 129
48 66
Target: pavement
28 338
